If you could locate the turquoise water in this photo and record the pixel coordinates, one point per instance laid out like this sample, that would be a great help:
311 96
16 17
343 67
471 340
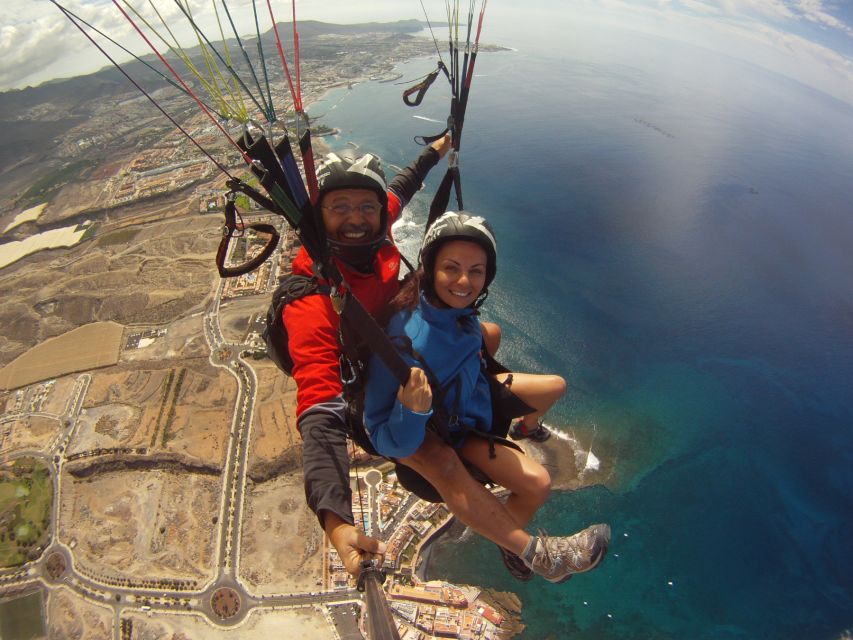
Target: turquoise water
674 236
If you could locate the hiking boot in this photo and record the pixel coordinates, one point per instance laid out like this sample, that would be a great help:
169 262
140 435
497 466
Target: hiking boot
540 433
515 565
556 559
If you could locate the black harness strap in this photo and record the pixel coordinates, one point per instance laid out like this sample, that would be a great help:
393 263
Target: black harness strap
442 195
234 229
421 88
235 184
425 140
364 324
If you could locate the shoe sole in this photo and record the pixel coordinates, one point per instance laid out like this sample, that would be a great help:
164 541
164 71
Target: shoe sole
516 573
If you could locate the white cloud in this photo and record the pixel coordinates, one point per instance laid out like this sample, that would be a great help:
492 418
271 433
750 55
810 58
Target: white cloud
800 39
38 42
772 9
30 45
787 36
814 11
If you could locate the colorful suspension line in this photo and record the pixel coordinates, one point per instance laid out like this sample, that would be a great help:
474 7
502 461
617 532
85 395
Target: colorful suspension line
295 92
305 146
260 46
179 79
233 111
73 20
71 14
213 70
265 110
459 75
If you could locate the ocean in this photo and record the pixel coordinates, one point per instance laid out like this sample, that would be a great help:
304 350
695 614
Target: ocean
675 239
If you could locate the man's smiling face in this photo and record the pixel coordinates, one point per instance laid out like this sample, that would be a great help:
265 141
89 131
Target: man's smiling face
351 216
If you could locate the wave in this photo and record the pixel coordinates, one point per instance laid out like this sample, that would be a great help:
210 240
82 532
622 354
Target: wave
585 459
408 231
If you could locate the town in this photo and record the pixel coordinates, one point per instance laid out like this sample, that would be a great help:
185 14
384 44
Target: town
148 444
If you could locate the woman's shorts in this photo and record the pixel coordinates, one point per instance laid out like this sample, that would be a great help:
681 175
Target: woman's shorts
505 406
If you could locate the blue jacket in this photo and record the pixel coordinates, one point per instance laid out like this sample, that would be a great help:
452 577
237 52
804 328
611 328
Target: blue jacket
450 341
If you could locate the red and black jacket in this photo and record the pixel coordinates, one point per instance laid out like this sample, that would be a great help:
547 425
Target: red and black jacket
312 327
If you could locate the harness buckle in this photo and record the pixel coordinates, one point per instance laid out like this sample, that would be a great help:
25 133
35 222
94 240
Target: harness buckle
337 300
348 371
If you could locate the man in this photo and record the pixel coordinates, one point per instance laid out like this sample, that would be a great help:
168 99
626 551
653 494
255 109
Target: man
355 212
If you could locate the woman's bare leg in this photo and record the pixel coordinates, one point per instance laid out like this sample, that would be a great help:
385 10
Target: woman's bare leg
469 500
528 481
539 391
491 336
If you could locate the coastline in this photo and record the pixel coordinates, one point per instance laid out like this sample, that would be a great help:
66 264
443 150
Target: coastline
570 464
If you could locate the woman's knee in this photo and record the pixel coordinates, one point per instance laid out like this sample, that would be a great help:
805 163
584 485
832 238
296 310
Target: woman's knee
539 483
557 386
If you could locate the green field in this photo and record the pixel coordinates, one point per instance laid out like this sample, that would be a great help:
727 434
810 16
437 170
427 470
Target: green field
26 493
122 236
22 618
45 187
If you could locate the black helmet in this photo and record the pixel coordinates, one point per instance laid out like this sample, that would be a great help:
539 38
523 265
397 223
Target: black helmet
347 171
459 226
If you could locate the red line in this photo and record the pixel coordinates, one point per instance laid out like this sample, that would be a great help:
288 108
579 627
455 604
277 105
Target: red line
183 84
281 54
470 73
480 24
296 56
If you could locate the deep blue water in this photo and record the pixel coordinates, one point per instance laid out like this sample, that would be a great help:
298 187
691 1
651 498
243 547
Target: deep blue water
675 238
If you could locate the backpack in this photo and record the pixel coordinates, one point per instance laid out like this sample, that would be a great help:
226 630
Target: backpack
292 287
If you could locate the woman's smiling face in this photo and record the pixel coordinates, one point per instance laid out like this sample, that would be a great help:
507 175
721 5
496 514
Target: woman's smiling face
460 273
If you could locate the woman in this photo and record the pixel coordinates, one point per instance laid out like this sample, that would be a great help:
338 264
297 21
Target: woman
436 329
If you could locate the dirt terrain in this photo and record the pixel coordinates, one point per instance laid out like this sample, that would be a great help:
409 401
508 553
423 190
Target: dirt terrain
185 410
141 524
30 432
70 618
160 275
307 623
275 444
182 338
20 431
281 538
59 395
235 314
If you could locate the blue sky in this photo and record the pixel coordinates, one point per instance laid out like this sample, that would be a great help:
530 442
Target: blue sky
808 40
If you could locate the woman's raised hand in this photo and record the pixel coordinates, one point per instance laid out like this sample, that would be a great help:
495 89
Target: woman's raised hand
416 395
